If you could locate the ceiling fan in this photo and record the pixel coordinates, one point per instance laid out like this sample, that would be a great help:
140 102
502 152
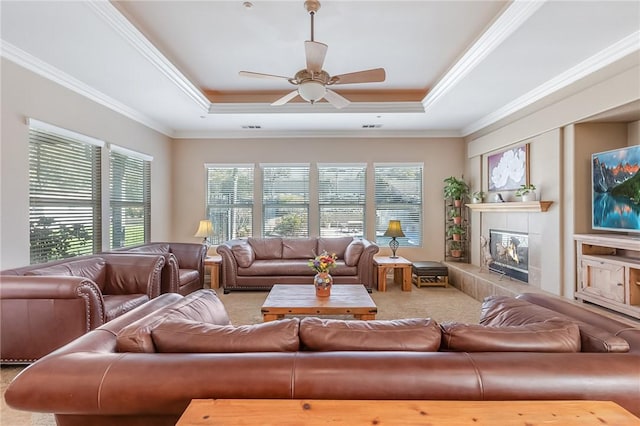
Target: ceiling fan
312 81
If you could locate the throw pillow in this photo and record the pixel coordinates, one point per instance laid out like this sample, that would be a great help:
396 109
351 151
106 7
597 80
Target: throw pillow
506 311
244 254
417 334
547 336
202 305
187 336
353 252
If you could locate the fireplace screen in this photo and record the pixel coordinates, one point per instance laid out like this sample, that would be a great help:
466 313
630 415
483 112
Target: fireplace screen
510 254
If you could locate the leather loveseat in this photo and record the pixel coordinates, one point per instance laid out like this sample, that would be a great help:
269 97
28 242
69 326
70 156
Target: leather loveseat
183 270
45 306
552 349
259 263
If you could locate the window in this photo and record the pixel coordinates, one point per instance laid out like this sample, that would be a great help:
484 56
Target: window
399 197
285 195
341 196
64 193
129 197
230 201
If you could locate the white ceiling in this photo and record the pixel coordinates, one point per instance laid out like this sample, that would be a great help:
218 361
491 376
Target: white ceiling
453 67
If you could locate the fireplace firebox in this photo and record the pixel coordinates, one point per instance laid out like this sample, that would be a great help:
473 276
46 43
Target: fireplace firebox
510 253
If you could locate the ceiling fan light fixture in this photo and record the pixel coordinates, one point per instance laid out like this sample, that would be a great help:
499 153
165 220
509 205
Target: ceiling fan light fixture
311 91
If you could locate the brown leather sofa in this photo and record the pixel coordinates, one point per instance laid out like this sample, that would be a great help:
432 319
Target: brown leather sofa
115 375
45 306
259 263
183 271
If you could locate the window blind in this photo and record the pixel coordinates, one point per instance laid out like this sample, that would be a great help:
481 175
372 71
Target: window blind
285 195
398 189
64 196
129 199
230 201
341 196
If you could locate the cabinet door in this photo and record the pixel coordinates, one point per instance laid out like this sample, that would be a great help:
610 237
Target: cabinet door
603 279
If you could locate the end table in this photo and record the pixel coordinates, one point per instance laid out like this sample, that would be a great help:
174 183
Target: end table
401 273
213 264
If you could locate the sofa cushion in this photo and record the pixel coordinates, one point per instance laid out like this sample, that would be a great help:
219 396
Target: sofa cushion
547 336
202 305
118 304
244 255
93 268
187 276
181 335
336 245
507 311
417 334
352 252
298 248
266 248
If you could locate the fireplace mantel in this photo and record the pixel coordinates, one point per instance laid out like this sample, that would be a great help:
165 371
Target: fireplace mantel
517 206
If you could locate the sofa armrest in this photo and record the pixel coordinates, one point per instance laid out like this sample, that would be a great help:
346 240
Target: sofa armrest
38 314
133 274
365 264
229 264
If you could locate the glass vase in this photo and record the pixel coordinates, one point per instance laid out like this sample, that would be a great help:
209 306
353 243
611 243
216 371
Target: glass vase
323 282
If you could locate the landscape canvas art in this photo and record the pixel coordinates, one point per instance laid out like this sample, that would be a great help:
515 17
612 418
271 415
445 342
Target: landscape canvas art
508 169
616 189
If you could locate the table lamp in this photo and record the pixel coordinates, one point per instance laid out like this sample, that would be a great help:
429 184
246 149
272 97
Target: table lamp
394 231
205 230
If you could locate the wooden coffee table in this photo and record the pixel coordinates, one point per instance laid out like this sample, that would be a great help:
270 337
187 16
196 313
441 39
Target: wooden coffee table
300 299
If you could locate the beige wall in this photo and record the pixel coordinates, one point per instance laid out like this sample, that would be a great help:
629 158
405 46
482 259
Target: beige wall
441 158
560 168
27 95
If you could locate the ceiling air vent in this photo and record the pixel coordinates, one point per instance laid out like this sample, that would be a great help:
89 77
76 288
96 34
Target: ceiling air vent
252 126
371 126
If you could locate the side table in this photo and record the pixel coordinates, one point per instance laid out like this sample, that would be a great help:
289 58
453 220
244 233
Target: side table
213 263
401 271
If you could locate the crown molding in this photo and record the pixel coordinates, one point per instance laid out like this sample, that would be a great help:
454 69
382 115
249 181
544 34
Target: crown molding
613 53
360 134
33 64
112 16
518 12
318 108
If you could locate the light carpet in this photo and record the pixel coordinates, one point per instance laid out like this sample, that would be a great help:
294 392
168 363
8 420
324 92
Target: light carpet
438 303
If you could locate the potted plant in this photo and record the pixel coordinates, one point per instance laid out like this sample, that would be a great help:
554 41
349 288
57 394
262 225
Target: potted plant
527 192
456 232
456 248
456 189
454 214
477 197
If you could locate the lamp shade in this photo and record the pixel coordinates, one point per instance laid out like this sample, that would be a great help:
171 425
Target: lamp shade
205 229
394 230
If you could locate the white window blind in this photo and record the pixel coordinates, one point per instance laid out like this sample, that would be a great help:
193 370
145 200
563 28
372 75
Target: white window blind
341 196
399 197
129 198
230 201
64 195
285 194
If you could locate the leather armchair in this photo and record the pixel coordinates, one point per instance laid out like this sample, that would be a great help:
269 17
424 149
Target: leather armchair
184 264
43 307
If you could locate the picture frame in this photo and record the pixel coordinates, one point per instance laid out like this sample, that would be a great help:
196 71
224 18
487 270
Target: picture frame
507 170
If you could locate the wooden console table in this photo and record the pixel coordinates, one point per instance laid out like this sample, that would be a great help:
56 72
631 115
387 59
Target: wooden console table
401 271
290 412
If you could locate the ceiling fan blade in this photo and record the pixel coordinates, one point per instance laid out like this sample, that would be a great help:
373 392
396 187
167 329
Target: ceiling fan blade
261 75
286 98
368 76
315 53
336 100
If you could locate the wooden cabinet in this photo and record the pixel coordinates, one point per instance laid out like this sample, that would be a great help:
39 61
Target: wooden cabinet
609 271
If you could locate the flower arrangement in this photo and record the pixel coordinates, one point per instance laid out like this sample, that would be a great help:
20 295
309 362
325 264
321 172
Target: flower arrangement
323 262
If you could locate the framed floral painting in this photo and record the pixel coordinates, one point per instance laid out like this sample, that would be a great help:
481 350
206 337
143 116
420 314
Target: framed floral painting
508 169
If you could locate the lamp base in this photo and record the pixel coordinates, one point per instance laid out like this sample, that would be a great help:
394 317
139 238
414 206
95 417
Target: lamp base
393 244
